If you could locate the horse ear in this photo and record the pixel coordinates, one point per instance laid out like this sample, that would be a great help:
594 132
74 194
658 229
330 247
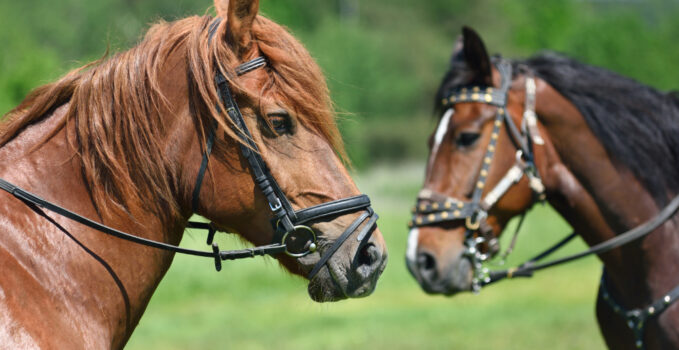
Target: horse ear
239 14
476 57
458 51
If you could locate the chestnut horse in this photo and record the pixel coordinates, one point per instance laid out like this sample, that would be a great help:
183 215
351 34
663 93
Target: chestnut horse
121 142
602 148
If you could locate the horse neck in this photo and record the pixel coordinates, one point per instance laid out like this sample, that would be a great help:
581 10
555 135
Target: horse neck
113 278
600 200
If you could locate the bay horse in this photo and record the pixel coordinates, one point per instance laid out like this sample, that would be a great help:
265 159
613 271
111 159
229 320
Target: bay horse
602 149
226 117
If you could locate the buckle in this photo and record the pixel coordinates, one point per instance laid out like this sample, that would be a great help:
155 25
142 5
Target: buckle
277 206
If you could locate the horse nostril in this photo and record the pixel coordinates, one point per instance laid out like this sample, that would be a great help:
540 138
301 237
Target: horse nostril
426 263
368 255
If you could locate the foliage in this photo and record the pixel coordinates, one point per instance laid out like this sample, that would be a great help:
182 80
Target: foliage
383 59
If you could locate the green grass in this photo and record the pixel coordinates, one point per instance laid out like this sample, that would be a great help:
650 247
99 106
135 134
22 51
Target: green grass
254 304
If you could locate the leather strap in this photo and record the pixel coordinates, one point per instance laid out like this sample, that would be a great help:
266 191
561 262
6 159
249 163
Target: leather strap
203 167
338 243
526 269
637 318
35 203
334 208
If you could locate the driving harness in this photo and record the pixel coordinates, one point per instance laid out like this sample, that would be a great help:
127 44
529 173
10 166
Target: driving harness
434 208
291 226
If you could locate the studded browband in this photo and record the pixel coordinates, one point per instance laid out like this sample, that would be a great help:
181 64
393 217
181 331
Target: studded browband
434 208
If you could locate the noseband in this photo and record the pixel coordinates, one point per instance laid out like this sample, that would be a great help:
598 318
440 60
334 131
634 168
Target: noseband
434 208
291 227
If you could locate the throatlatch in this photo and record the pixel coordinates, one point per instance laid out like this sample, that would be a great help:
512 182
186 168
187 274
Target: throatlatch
289 225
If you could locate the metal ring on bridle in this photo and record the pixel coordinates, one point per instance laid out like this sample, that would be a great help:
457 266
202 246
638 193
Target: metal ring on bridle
311 248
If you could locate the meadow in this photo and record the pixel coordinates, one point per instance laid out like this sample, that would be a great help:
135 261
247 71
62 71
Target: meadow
254 304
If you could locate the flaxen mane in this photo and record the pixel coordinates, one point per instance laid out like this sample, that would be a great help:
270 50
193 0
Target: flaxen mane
115 103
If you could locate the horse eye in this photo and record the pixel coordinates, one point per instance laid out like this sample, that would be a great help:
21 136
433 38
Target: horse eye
466 139
280 123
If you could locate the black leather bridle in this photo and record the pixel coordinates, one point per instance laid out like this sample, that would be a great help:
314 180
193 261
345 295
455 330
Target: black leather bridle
291 227
435 208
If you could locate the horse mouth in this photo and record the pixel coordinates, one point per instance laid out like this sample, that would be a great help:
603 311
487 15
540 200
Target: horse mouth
340 280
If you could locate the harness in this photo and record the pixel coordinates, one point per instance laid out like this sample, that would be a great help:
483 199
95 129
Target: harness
434 208
290 226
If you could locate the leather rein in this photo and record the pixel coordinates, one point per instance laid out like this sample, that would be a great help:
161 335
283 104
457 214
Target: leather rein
290 226
434 208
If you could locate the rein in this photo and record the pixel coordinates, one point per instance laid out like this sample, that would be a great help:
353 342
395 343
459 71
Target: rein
290 226
434 208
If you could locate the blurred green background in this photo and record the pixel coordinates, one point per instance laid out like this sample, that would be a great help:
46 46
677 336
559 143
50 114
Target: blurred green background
383 60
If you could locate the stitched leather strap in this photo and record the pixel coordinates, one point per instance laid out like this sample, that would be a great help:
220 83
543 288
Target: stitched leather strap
334 208
338 243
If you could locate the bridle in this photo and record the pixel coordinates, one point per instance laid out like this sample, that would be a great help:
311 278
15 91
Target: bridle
290 226
435 208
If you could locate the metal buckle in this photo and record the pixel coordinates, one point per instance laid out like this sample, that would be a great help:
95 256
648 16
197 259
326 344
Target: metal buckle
311 247
277 206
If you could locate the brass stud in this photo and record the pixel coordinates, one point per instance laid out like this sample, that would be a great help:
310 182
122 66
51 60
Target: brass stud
445 101
453 99
463 97
487 160
666 299
498 123
447 205
418 220
488 98
423 207
484 172
491 148
460 205
456 213
431 217
475 97
651 310
463 90
493 136
489 90
479 184
435 206
476 89
444 215
501 110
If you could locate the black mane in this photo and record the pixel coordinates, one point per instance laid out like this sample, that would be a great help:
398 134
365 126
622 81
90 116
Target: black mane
637 124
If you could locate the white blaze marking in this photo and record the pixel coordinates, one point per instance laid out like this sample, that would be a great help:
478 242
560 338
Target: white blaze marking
440 133
443 127
411 249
